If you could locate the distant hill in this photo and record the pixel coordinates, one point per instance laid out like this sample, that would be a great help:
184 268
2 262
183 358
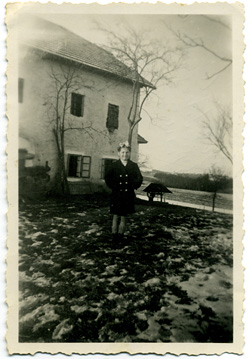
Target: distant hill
191 181
154 174
149 176
191 175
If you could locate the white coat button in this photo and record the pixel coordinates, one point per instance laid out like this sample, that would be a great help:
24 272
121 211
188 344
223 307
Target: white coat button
126 190
126 175
120 182
120 175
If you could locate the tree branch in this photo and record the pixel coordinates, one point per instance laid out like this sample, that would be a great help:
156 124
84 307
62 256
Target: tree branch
217 129
190 42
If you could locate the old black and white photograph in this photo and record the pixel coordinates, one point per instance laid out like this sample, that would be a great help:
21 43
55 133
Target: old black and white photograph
127 127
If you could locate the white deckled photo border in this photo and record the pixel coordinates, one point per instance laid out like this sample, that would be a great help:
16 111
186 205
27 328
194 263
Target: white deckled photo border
236 11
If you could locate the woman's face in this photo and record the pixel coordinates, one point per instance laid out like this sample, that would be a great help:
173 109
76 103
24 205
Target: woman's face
124 154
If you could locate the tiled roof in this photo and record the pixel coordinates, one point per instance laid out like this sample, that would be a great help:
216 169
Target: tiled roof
156 188
57 40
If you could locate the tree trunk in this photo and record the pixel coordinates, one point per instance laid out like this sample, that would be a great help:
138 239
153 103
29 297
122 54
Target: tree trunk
60 184
63 175
130 135
213 204
132 125
66 189
132 116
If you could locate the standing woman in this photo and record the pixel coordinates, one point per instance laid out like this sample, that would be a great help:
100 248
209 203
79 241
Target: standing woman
123 177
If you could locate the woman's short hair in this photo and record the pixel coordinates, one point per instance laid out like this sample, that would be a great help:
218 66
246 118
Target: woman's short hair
124 145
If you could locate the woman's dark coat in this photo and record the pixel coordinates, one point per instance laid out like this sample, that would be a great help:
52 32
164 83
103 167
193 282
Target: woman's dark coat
123 180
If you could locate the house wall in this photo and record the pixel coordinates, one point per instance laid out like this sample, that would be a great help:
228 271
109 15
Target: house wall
36 114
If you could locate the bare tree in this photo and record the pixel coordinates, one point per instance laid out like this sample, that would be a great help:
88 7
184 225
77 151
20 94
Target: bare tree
218 181
64 81
218 127
149 64
143 160
217 19
190 42
218 130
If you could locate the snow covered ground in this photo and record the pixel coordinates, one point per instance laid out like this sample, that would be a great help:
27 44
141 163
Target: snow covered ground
169 281
190 205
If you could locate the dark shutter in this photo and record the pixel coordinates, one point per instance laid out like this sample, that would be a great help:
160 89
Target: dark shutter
77 104
113 116
86 162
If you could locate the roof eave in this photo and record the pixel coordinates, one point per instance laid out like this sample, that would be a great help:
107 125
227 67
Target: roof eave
82 63
141 140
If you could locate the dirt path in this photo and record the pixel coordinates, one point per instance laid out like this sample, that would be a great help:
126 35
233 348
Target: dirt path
171 281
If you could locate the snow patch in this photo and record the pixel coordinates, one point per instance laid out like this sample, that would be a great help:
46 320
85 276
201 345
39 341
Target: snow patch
54 231
115 279
141 315
79 308
151 334
94 228
61 329
37 234
82 214
112 296
152 282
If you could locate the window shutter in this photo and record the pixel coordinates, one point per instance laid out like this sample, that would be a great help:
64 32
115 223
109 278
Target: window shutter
82 106
77 104
112 117
79 166
86 164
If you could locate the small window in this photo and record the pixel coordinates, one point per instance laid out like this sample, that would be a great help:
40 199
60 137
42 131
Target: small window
106 163
112 118
77 104
79 166
20 90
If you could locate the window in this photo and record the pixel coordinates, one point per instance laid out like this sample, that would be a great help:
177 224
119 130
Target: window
106 162
77 104
112 118
79 166
20 89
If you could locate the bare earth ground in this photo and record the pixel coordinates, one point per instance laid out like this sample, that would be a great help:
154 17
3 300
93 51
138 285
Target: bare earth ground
170 281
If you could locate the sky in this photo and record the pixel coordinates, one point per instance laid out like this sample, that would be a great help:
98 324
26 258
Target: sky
172 120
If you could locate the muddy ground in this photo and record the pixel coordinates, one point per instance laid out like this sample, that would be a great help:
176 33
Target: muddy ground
169 281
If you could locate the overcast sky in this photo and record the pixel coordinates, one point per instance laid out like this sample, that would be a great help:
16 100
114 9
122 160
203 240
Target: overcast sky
175 135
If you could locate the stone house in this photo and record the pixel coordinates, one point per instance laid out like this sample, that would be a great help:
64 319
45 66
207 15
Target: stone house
99 105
